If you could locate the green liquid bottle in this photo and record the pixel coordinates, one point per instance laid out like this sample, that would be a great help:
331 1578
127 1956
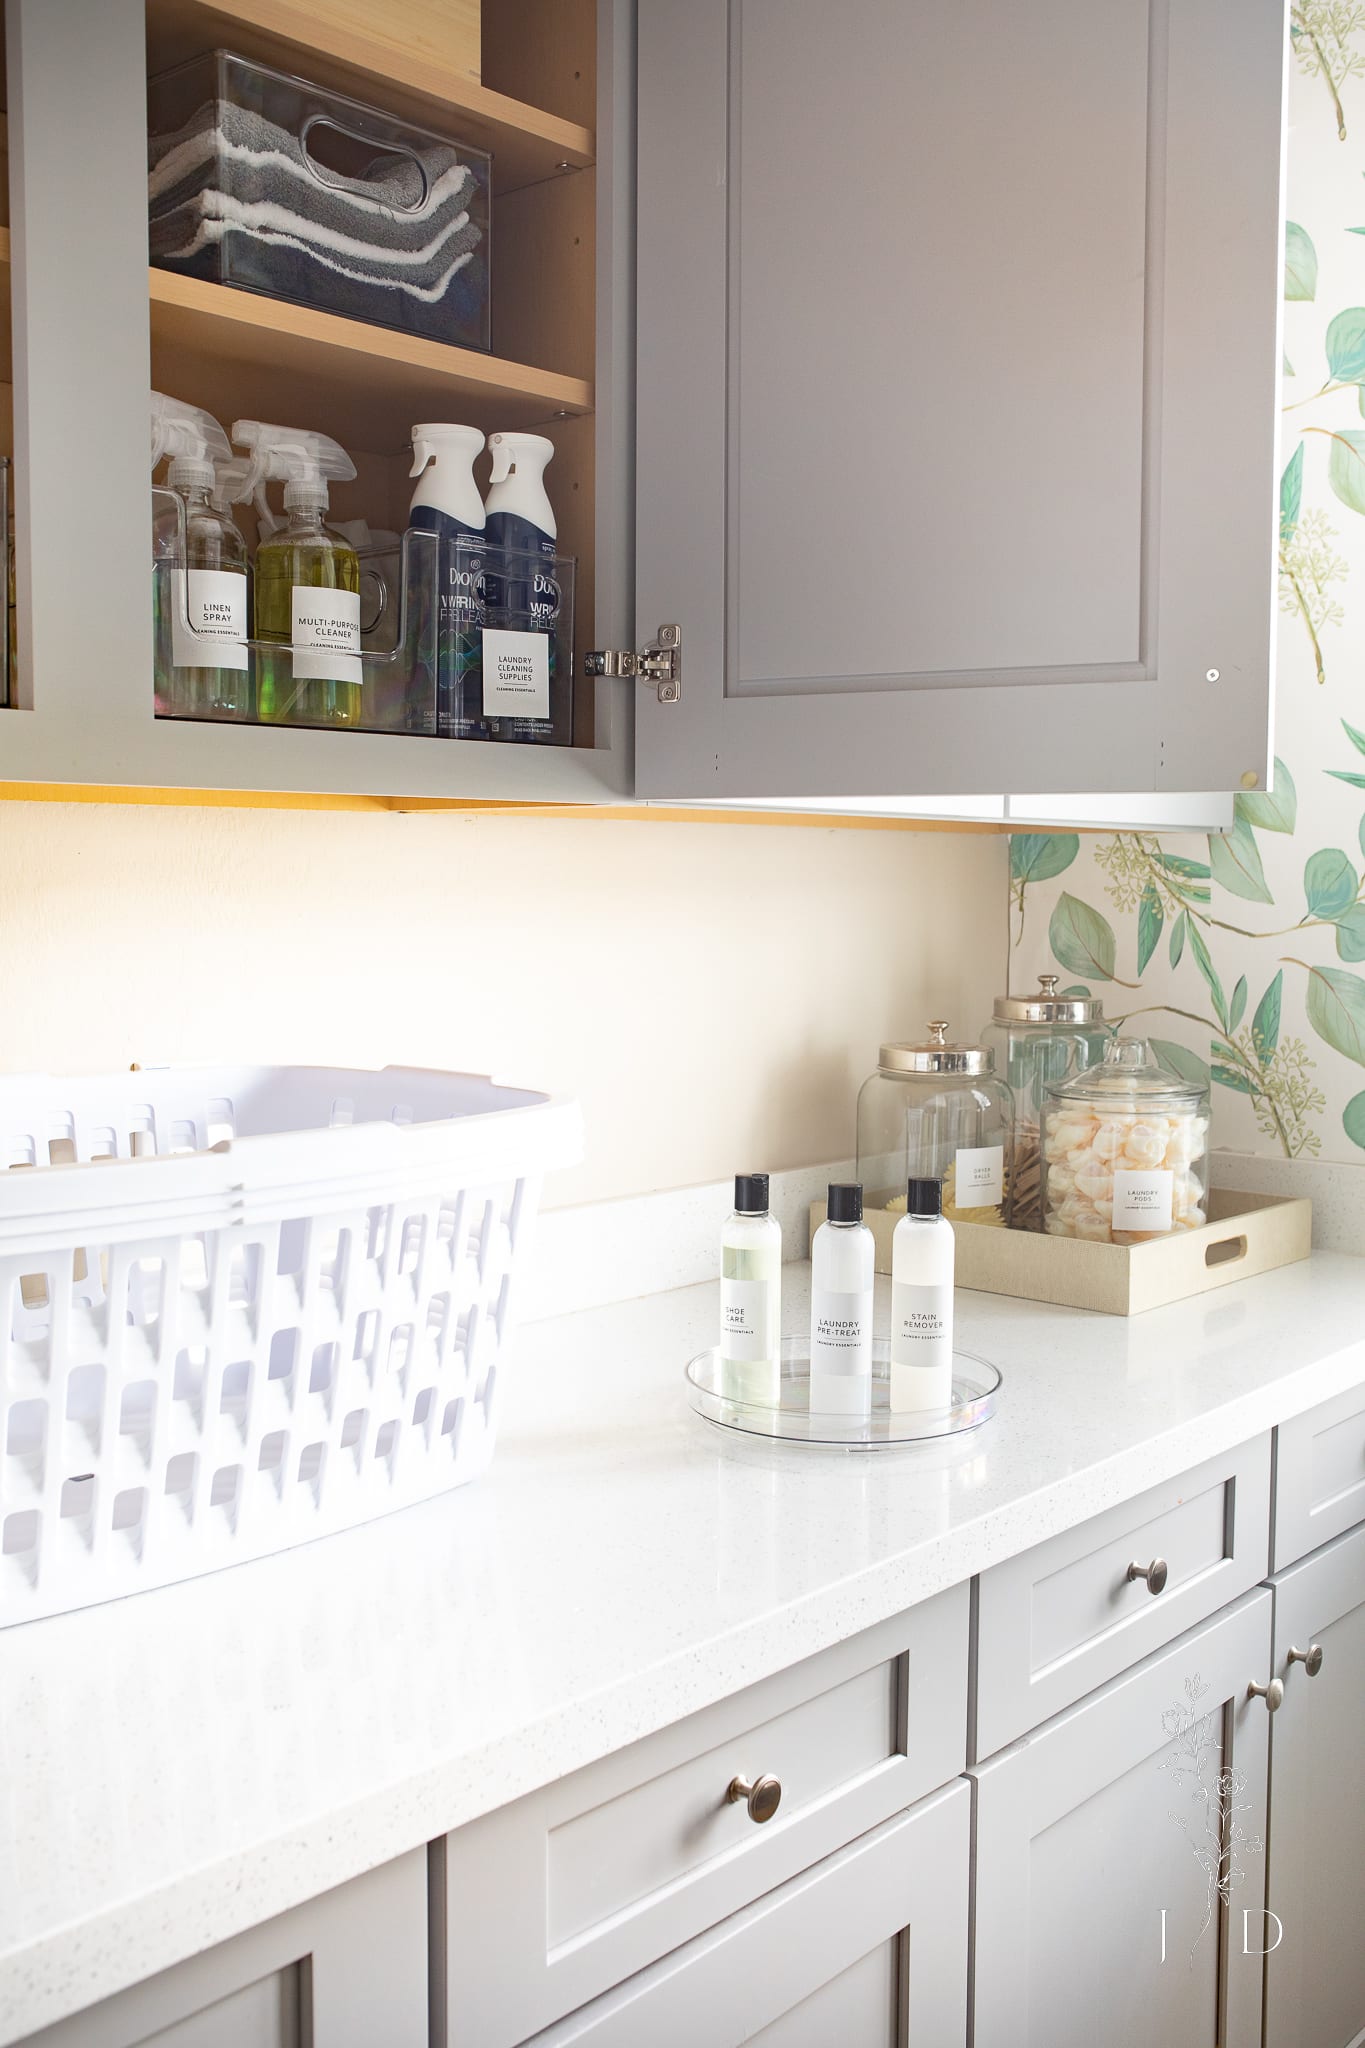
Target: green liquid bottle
307 584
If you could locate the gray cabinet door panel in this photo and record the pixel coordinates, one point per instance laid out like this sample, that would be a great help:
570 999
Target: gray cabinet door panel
1315 1976
926 467
867 1948
1117 1850
347 1970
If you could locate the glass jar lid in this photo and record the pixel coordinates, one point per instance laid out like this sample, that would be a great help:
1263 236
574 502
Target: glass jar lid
1129 1072
1047 1007
936 1056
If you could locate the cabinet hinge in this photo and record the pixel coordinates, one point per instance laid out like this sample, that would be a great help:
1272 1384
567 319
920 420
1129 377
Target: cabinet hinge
659 663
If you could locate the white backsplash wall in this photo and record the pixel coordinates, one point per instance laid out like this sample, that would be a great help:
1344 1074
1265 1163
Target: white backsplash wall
713 994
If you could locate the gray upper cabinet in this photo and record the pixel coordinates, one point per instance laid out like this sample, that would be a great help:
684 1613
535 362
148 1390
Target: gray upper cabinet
958 368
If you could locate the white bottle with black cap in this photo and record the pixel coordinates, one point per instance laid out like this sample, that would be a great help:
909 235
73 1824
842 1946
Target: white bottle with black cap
922 1255
842 1258
751 1295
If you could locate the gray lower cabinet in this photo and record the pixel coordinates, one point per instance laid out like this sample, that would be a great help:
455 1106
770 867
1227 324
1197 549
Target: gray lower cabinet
1120 1857
923 455
868 1948
1315 1972
347 1970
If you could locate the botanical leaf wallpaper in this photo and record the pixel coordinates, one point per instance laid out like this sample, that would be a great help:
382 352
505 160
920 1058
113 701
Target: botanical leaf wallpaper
1242 956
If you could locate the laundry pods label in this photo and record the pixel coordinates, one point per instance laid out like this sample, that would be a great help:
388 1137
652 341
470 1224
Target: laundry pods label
840 1333
208 604
516 674
746 1321
326 636
980 1177
1142 1201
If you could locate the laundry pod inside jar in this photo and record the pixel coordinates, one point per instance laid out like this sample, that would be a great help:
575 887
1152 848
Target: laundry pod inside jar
1125 1150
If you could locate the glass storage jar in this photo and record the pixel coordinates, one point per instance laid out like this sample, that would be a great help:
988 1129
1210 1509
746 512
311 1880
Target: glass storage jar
1039 1040
937 1111
1125 1150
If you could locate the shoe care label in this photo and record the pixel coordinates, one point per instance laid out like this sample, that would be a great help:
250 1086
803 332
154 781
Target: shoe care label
746 1333
921 1323
980 1177
840 1334
516 674
214 603
328 621
1142 1201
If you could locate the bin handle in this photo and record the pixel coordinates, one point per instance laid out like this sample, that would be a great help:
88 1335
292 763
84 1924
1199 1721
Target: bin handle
324 177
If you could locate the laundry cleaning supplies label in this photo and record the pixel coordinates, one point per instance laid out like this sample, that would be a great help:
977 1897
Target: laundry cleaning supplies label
922 1323
840 1334
980 1177
516 674
746 1320
325 635
1143 1201
212 603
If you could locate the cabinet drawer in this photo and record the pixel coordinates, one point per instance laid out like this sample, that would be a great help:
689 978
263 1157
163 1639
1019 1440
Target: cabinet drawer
1319 1476
1065 1617
825 1958
571 1890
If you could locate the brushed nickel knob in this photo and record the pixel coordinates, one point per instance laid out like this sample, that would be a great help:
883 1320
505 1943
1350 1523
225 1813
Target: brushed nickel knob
1311 1659
1156 1574
762 1798
1272 1694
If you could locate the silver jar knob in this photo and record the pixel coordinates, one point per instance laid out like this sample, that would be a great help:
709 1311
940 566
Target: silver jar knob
1311 1659
1156 1574
762 1798
1272 1694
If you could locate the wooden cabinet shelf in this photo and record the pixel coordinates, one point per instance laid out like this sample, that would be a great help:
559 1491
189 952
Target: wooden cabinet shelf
365 385
376 62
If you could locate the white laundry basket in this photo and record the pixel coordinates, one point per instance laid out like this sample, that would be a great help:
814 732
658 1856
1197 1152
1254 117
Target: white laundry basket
243 1307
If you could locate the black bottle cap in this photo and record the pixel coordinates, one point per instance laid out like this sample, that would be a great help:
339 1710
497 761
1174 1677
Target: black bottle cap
751 1194
845 1202
924 1198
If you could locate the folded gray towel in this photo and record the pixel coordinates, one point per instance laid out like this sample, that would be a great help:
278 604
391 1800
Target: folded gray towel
295 257
213 217
400 188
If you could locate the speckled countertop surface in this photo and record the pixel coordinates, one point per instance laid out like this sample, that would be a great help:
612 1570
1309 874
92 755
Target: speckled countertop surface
179 1766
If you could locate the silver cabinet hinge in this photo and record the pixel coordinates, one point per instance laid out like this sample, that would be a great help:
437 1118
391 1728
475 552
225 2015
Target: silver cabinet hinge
660 663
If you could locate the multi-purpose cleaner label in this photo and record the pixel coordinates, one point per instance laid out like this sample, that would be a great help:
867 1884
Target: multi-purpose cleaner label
980 1177
1142 1201
840 1334
746 1333
516 674
326 636
212 603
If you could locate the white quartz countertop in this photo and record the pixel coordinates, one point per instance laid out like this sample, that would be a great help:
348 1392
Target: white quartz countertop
178 1766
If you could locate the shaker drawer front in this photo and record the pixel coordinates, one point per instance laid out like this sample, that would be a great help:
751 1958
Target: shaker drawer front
1069 1615
551 1901
1319 1476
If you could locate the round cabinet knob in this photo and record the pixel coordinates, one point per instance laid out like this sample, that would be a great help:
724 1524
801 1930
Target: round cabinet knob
1272 1694
762 1798
1156 1574
1311 1659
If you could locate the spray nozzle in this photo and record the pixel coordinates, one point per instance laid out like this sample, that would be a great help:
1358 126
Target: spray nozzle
509 451
304 460
191 437
430 442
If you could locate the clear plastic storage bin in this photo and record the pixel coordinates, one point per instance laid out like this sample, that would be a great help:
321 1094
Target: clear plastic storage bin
241 1307
266 182
1037 1041
937 1111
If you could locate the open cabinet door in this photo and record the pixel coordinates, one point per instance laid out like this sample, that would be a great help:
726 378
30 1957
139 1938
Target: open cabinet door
958 360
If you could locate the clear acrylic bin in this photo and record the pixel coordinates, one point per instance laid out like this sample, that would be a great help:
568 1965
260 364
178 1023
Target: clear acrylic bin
506 645
263 181
389 687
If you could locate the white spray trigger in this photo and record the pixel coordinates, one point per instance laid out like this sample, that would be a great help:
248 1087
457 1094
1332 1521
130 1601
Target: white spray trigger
502 459
422 454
